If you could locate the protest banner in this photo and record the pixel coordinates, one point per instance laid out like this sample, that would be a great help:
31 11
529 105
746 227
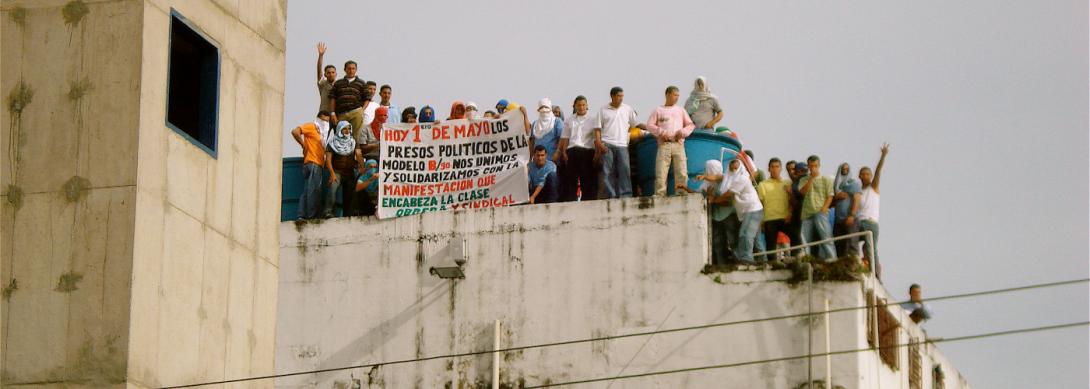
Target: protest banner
456 164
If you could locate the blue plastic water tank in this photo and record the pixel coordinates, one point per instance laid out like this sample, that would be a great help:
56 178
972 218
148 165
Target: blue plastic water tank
700 146
292 187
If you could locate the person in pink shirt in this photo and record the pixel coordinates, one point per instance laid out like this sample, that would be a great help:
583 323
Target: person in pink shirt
670 125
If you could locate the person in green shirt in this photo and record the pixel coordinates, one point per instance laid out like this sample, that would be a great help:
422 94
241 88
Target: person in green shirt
817 192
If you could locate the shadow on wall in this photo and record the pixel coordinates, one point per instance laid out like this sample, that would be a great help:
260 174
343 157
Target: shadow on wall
375 337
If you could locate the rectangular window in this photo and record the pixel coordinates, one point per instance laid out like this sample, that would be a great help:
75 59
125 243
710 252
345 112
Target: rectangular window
193 84
887 335
915 365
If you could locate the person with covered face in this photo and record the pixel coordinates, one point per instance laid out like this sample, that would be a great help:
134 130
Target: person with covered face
738 187
369 148
341 163
846 190
472 111
671 125
703 106
427 115
457 110
868 207
543 179
547 129
720 210
309 137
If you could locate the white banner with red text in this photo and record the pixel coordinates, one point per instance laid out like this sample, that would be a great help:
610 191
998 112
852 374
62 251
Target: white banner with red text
455 164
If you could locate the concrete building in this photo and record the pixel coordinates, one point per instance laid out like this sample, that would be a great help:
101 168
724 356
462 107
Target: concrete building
358 291
140 179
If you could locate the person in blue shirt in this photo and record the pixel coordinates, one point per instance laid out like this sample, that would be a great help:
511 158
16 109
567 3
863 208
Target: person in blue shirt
918 311
845 201
547 129
368 184
543 180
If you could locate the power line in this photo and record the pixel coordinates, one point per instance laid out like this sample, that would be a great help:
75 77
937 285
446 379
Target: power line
635 334
797 357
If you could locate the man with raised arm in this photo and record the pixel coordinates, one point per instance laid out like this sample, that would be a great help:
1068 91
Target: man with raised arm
867 211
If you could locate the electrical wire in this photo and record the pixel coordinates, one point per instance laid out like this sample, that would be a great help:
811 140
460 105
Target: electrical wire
798 357
636 334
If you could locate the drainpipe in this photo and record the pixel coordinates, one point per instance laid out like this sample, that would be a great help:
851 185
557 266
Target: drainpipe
828 350
809 325
496 356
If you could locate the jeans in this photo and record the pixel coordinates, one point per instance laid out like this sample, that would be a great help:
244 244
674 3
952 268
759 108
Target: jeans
848 246
311 199
872 226
670 154
819 223
580 174
346 181
616 172
747 234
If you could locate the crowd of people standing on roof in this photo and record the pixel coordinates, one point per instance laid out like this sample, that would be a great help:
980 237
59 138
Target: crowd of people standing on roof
586 156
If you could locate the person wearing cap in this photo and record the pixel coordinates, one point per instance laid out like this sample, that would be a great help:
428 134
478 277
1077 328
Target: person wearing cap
501 106
547 129
611 147
367 188
472 111
576 154
671 125
846 192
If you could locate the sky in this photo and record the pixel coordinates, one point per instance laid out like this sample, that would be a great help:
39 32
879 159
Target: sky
984 103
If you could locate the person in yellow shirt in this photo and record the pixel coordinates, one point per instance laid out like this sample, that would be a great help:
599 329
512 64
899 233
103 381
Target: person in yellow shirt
775 195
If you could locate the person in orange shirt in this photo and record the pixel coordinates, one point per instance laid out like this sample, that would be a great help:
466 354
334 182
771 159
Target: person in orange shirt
310 139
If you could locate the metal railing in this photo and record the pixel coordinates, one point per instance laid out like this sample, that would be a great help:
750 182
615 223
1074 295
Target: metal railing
868 237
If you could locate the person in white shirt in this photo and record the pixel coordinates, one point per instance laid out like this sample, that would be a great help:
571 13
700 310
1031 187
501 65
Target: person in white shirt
576 153
737 185
867 211
369 104
611 144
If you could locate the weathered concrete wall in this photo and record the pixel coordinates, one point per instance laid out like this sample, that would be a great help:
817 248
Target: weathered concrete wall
128 256
357 291
70 117
205 257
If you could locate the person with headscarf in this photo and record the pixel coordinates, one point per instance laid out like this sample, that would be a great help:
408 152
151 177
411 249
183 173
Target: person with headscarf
472 111
408 115
703 106
367 188
846 192
547 129
457 110
427 115
341 162
738 187
719 209
310 139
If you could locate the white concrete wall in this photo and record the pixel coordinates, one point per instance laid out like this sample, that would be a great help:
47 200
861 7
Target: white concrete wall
205 258
68 184
357 291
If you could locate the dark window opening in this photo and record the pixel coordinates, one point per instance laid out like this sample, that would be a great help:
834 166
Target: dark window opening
193 84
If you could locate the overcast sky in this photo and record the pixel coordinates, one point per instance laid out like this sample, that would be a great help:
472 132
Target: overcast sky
985 104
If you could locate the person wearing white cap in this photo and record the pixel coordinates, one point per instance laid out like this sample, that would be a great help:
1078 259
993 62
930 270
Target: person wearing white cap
472 112
546 129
